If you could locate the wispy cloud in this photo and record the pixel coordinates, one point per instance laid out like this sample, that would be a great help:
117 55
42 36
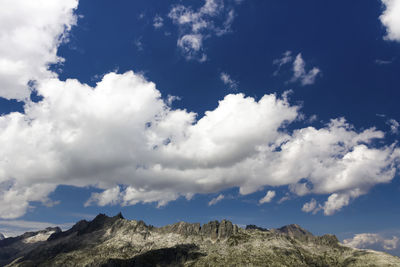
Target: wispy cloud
285 59
227 80
268 197
216 200
300 73
158 22
394 126
286 197
383 62
298 67
138 43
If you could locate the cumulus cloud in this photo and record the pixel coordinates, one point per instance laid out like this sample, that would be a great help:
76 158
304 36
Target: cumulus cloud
30 32
122 137
268 197
107 197
337 201
390 18
311 207
227 80
372 241
216 200
197 25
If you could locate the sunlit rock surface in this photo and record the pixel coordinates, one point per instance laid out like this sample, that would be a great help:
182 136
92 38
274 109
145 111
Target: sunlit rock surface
115 241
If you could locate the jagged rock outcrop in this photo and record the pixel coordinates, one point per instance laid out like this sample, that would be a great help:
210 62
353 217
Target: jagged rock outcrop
182 228
210 229
255 227
115 241
1 236
213 230
295 231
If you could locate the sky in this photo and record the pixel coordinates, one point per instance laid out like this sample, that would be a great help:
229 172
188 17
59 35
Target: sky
260 112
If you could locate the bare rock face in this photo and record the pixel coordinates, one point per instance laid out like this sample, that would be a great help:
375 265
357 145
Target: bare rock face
225 229
1 236
210 229
295 231
214 229
115 241
182 228
255 227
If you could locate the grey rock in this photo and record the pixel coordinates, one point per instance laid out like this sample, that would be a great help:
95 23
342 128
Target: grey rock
295 231
1 236
115 241
235 229
210 229
225 229
182 228
255 227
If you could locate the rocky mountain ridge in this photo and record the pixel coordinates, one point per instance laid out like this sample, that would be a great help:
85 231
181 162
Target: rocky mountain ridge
115 241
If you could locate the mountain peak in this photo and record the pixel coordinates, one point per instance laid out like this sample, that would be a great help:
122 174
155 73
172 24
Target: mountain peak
119 215
115 241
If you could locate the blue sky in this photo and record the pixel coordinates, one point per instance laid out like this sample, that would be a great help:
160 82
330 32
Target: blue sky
261 112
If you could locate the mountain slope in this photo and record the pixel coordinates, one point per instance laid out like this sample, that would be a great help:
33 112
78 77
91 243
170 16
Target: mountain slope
115 241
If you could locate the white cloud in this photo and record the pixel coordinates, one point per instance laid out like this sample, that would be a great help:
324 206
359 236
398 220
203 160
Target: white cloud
394 126
216 200
226 79
383 62
121 136
286 197
111 196
198 25
372 241
337 201
30 32
139 44
158 22
191 45
268 197
285 59
299 68
390 18
311 207
300 74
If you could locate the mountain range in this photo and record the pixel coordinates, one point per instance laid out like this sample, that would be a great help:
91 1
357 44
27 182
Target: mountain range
115 241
